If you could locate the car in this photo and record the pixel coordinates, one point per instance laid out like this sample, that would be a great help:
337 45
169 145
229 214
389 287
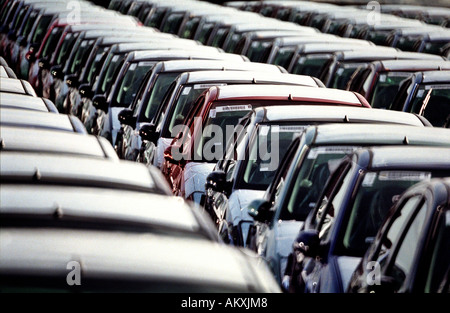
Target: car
25 139
280 211
6 71
42 59
193 85
158 52
427 94
121 261
340 67
246 45
36 119
90 49
410 253
264 51
352 207
380 81
11 100
195 151
16 86
136 79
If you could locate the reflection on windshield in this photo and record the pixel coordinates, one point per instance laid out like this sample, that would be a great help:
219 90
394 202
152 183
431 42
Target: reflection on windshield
375 196
433 102
386 89
131 82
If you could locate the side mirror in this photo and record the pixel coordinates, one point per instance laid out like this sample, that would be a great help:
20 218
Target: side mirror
22 41
56 71
31 54
259 210
126 117
148 132
44 63
308 243
100 103
85 90
72 81
217 181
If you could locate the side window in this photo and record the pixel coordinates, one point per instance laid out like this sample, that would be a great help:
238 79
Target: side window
404 258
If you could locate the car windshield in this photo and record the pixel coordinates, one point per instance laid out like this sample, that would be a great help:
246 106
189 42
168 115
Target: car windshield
190 28
157 93
95 64
259 51
265 153
386 88
187 96
51 42
112 64
81 55
130 83
433 102
284 56
373 198
311 65
407 43
66 46
41 29
344 73
221 121
434 47
314 172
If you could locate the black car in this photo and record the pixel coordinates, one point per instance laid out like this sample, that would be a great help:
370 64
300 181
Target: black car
410 253
427 94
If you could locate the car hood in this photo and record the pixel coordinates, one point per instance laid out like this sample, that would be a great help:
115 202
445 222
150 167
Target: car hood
196 174
347 265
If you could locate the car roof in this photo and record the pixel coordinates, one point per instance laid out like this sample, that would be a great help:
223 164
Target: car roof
294 93
320 113
25 102
49 141
36 119
409 156
185 65
189 54
390 65
65 169
142 258
370 134
14 85
383 53
87 206
248 77
436 77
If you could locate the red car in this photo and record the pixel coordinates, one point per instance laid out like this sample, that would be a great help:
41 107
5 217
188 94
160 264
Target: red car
194 152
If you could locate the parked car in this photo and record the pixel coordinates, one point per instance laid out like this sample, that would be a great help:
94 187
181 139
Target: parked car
36 119
380 81
134 87
352 207
12 100
16 86
6 71
281 210
194 151
427 94
180 98
410 253
24 139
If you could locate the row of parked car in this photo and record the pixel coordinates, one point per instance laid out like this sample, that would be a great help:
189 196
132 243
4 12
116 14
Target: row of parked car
264 123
